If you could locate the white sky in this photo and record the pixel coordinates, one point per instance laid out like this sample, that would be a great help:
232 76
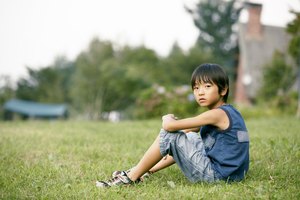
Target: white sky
34 32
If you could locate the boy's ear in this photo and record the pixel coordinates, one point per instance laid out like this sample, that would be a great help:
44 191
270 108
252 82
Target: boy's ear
224 91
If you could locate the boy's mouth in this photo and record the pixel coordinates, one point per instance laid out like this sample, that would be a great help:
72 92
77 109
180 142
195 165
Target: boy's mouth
202 99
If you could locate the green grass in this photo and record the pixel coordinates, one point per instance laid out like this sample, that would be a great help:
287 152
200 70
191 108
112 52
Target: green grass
62 160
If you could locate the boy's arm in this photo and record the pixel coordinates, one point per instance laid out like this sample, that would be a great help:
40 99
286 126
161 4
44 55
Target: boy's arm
191 130
216 117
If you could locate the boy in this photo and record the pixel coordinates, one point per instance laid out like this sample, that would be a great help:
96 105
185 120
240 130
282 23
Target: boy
219 152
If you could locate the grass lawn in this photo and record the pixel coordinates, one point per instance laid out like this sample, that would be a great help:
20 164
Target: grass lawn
62 160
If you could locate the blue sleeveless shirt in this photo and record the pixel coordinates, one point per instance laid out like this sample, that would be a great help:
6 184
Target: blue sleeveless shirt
228 149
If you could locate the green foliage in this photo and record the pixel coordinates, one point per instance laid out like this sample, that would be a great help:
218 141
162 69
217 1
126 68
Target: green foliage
94 70
6 89
49 84
107 79
178 66
176 70
6 92
62 160
157 101
140 62
278 78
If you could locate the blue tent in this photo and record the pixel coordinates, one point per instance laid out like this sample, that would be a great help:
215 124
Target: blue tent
30 109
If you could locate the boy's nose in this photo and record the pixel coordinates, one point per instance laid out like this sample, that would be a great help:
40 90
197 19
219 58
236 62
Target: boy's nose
200 91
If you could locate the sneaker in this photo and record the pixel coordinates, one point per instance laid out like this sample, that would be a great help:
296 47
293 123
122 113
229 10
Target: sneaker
116 173
119 180
142 178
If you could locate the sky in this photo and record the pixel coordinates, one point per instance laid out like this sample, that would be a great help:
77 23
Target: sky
34 32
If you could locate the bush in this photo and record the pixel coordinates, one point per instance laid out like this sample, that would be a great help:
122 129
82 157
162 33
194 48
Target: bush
157 101
281 105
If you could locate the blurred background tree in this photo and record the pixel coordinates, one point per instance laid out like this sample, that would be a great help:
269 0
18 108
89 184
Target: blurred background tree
109 79
175 70
216 21
48 84
178 65
141 63
92 78
7 91
278 79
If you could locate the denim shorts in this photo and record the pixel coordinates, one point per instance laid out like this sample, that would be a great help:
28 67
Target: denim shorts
188 151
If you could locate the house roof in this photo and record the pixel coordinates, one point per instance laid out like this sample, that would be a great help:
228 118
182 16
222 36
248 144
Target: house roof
34 109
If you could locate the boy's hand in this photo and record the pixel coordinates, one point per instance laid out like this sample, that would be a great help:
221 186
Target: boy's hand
166 119
169 117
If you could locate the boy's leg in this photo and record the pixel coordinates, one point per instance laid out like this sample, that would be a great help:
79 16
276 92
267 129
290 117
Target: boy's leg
163 163
150 159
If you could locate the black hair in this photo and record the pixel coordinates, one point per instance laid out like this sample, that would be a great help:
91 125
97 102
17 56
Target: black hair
211 73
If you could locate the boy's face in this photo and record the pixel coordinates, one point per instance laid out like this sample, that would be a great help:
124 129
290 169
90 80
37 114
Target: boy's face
207 95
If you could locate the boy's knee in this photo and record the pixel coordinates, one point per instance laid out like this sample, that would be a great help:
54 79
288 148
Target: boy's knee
163 131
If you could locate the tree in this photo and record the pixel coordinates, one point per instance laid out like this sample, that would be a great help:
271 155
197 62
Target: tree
6 91
26 87
216 21
175 69
90 78
278 78
140 63
179 65
293 28
47 84
106 79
